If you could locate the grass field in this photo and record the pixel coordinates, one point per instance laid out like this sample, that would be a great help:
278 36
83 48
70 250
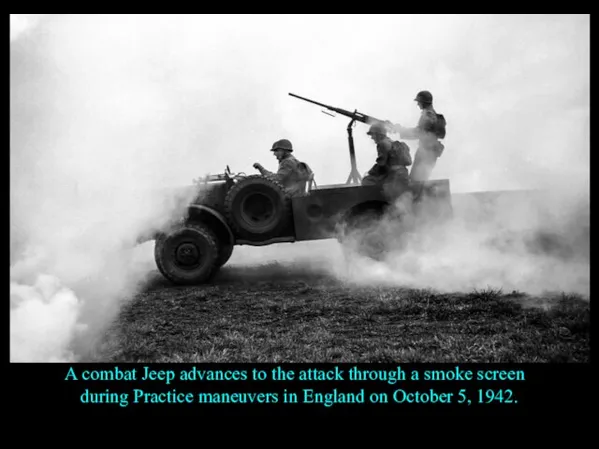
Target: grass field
273 313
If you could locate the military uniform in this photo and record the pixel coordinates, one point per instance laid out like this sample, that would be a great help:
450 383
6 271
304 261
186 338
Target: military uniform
290 173
429 147
388 169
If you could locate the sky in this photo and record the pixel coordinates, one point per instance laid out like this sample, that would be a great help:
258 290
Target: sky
106 109
213 91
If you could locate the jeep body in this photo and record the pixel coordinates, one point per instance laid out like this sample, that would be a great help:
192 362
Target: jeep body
254 210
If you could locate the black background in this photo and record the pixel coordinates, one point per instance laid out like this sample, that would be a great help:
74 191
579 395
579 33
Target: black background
548 389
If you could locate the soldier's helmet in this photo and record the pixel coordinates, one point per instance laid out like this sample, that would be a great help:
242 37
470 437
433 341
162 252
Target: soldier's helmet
282 144
424 96
377 128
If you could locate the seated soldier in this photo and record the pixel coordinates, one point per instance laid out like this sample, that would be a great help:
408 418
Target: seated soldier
292 174
391 167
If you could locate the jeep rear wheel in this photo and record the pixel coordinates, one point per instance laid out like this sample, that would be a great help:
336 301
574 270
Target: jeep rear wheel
377 232
188 254
361 234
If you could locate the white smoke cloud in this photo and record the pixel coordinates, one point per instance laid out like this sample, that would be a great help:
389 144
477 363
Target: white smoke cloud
21 24
44 320
528 242
85 183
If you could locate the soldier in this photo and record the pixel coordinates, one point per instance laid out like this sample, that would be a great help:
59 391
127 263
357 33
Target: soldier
393 158
430 128
292 174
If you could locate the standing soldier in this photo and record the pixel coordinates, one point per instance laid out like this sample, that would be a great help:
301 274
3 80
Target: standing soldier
392 161
292 174
430 128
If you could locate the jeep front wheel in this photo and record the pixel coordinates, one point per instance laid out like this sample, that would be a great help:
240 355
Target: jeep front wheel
225 254
189 254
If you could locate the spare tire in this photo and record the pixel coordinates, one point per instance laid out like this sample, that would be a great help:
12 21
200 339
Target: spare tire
188 254
258 208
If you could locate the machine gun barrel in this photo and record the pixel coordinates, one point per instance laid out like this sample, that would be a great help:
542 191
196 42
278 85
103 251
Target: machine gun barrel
354 176
368 119
311 101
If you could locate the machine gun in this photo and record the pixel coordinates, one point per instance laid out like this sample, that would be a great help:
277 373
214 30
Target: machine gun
354 176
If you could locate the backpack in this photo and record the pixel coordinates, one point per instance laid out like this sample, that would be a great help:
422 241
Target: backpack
305 174
304 171
440 126
402 150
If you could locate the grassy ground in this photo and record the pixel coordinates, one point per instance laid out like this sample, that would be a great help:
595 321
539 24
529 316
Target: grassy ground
268 314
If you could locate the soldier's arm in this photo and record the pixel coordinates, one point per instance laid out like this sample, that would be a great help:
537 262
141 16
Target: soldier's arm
405 133
426 123
265 172
409 133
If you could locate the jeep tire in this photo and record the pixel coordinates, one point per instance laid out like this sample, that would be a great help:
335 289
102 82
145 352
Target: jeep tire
188 254
258 208
224 255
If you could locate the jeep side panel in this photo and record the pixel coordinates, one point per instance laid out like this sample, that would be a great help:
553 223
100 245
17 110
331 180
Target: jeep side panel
316 214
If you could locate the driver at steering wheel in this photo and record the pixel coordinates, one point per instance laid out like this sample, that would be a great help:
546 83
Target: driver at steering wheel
292 174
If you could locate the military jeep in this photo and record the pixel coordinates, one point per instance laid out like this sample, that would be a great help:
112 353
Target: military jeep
235 209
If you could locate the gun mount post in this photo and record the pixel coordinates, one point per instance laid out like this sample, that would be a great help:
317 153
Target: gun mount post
354 175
